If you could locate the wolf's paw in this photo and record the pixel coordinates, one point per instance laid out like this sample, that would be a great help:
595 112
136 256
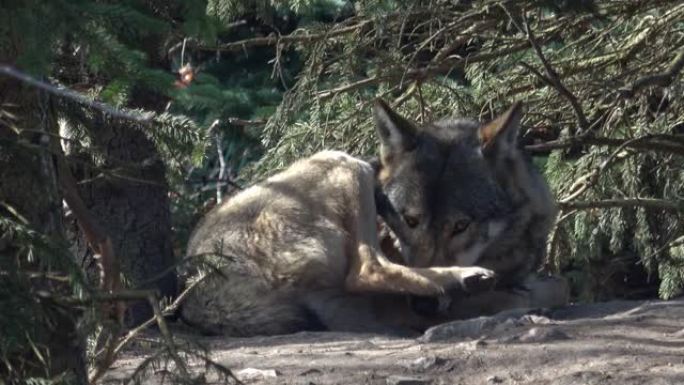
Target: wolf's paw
477 279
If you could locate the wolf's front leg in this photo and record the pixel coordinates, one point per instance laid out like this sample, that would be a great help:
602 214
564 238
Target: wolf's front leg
373 272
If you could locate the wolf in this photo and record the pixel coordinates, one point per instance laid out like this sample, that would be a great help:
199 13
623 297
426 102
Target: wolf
469 195
301 250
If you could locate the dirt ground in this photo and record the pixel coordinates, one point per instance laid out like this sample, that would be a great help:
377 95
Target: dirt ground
620 342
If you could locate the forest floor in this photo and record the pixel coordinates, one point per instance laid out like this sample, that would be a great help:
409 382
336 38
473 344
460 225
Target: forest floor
619 342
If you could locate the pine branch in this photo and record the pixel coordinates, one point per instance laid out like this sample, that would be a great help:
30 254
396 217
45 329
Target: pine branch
441 68
661 143
661 79
274 40
72 95
649 203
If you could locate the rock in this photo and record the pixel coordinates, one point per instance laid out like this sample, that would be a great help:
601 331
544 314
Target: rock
425 363
475 345
470 328
405 380
310 371
494 380
477 327
251 374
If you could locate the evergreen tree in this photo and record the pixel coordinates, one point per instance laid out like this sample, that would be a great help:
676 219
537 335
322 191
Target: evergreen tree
603 90
104 49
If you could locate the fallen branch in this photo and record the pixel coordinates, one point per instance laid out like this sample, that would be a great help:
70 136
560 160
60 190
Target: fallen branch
115 346
168 310
552 262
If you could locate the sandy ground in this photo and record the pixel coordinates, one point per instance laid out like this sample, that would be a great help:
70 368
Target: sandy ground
620 342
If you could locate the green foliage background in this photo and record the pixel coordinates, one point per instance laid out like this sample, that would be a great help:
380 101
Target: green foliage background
432 59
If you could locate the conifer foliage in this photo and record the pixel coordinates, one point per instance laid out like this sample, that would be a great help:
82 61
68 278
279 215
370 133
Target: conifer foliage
602 86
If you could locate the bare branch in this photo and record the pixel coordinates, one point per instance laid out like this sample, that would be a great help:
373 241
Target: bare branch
196 43
245 122
98 240
168 310
552 77
661 79
222 166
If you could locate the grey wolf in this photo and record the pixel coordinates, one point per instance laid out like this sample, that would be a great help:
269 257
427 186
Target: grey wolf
300 251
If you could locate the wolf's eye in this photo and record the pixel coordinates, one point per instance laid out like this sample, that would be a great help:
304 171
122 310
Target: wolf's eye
460 226
411 220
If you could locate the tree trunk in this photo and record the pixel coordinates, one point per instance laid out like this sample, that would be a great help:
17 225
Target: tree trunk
44 340
130 201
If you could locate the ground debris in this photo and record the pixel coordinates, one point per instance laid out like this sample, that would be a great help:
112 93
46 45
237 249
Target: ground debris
426 363
544 334
406 380
252 374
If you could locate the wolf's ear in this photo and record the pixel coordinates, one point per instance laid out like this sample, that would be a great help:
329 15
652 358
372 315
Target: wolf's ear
396 133
501 133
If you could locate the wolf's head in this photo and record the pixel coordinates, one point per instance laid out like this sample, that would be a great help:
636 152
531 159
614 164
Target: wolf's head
442 179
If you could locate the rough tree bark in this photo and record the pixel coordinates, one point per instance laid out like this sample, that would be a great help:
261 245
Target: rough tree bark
29 187
130 200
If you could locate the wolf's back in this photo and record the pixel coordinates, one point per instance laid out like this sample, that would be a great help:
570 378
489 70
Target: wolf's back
262 253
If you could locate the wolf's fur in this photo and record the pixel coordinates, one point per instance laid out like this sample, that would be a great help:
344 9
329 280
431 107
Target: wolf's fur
302 253
470 197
